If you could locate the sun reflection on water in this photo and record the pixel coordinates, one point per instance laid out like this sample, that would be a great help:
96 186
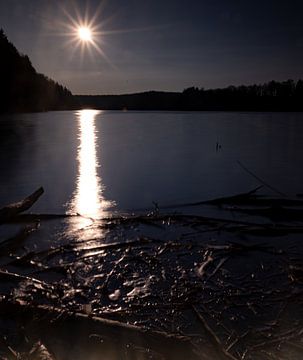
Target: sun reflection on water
88 200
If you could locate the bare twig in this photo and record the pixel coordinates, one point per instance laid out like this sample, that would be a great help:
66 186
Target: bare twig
213 337
259 179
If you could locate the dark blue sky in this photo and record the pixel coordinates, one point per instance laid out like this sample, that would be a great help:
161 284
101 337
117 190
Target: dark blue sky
161 44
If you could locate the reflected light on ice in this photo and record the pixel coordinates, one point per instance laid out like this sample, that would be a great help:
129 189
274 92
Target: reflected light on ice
88 199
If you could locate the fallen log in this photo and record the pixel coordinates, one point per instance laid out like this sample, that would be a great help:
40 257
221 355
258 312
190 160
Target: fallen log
242 197
238 198
48 323
247 198
12 210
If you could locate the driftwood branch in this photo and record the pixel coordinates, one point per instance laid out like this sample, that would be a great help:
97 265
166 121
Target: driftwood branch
12 210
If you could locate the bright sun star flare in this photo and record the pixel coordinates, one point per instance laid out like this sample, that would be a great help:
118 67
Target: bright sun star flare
85 34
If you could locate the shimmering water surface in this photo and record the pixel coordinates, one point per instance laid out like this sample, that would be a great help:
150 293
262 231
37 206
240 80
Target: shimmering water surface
94 161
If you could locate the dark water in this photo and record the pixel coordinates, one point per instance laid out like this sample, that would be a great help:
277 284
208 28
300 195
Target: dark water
153 271
127 160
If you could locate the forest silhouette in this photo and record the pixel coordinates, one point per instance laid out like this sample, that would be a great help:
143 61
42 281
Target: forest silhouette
271 96
22 89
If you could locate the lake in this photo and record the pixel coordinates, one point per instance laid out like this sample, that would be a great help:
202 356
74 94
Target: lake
157 270
97 161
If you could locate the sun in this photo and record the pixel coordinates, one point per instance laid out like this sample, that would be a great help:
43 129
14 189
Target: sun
84 33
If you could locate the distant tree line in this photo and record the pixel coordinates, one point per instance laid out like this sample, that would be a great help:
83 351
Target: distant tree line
22 89
271 96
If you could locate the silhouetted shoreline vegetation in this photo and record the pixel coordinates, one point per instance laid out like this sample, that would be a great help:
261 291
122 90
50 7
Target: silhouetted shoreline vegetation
271 96
22 89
